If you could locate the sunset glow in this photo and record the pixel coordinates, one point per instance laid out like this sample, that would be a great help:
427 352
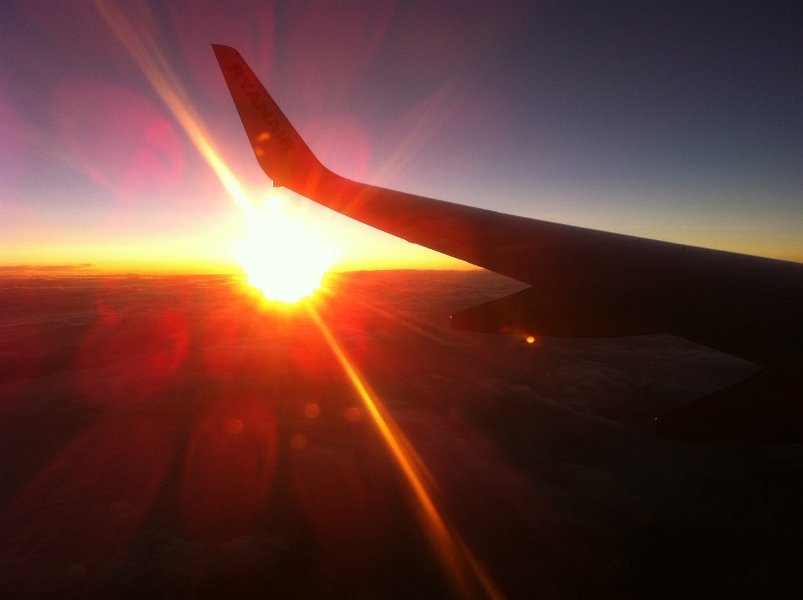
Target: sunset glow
284 255
239 357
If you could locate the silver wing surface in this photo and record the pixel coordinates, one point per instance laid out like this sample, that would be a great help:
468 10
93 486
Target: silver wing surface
584 282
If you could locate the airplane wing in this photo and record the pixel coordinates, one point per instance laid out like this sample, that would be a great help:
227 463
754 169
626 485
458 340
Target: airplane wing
584 283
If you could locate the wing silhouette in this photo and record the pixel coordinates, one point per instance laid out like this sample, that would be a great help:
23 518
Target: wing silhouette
584 282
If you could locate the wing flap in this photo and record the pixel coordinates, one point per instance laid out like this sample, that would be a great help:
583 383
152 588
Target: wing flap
549 314
765 407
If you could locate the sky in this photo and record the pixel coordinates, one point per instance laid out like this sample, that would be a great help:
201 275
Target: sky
671 120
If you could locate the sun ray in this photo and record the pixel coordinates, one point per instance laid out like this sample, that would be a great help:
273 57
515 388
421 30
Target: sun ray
454 554
145 52
283 256
393 317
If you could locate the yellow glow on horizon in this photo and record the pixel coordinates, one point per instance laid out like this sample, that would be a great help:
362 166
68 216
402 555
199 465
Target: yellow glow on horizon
283 255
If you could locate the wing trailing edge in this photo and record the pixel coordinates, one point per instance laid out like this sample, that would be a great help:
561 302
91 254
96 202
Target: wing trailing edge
549 314
765 407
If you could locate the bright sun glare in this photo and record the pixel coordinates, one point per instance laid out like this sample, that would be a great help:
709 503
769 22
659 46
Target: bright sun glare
283 254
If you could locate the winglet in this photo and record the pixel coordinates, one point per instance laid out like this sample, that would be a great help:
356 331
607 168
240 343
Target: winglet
280 151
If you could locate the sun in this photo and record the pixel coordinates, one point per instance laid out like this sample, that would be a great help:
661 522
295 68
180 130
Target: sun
284 254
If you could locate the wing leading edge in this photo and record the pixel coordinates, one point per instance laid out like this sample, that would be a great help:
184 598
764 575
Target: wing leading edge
585 283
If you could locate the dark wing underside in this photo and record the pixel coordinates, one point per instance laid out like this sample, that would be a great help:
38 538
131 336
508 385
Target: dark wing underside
584 282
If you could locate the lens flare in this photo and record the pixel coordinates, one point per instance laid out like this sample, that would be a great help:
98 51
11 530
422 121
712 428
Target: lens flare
283 255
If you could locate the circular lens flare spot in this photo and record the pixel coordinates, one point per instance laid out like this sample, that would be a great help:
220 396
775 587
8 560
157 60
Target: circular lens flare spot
284 255
312 410
352 414
234 426
298 442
